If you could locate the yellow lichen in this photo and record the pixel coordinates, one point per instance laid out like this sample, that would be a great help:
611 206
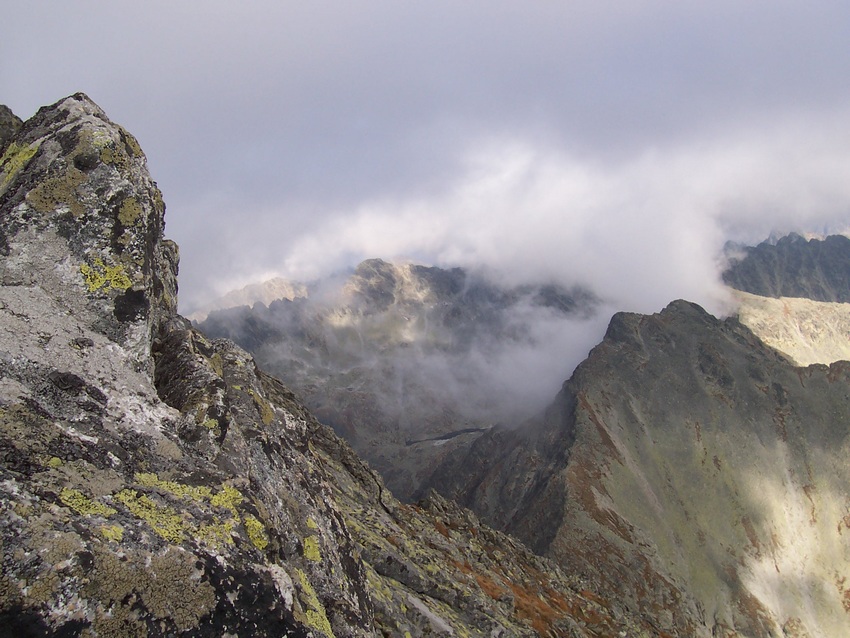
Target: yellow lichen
210 424
317 618
256 532
217 533
54 462
311 523
193 492
162 519
311 549
112 532
228 498
99 275
82 504
15 158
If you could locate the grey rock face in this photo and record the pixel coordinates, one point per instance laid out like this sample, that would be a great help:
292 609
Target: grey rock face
689 471
794 267
156 483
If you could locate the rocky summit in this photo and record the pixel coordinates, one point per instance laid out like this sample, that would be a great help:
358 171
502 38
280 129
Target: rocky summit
156 483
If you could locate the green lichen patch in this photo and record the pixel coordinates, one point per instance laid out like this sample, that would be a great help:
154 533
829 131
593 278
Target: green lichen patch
263 407
83 505
131 142
159 587
229 498
129 212
167 523
311 549
112 533
15 158
216 534
176 527
57 192
256 532
317 617
100 276
196 493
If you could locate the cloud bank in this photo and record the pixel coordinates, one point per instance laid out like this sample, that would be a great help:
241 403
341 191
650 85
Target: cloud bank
617 144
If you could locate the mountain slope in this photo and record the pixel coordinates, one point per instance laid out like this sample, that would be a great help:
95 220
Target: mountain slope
156 483
693 472
408 362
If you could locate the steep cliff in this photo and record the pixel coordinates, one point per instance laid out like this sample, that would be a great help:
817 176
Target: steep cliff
689 470
156 483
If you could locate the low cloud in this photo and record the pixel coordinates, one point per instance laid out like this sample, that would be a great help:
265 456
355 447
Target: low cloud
639 232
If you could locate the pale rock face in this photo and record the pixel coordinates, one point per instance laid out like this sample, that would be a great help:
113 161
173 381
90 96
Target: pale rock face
155 483
807 331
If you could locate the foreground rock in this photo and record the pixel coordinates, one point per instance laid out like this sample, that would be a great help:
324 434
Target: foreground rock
155 483
691 472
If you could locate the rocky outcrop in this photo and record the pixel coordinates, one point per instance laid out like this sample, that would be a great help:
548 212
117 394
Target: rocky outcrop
691 472
406 362
794 267
156 483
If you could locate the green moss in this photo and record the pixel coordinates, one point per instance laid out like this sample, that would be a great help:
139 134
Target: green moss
82 504
256 532
129 212
317 617
163 520
99 275
112 532
15 158
311 549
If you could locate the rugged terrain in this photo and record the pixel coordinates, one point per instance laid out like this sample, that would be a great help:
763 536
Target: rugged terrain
408 363
156 483
699 473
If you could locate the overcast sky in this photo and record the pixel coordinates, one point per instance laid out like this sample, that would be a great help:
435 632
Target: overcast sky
613 144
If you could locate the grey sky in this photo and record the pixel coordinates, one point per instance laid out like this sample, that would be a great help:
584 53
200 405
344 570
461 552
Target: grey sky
615 144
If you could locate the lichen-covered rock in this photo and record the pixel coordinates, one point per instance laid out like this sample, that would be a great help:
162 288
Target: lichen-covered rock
155 483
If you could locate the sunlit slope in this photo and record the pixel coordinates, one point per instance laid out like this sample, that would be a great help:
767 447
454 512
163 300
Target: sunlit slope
690 470
805 330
